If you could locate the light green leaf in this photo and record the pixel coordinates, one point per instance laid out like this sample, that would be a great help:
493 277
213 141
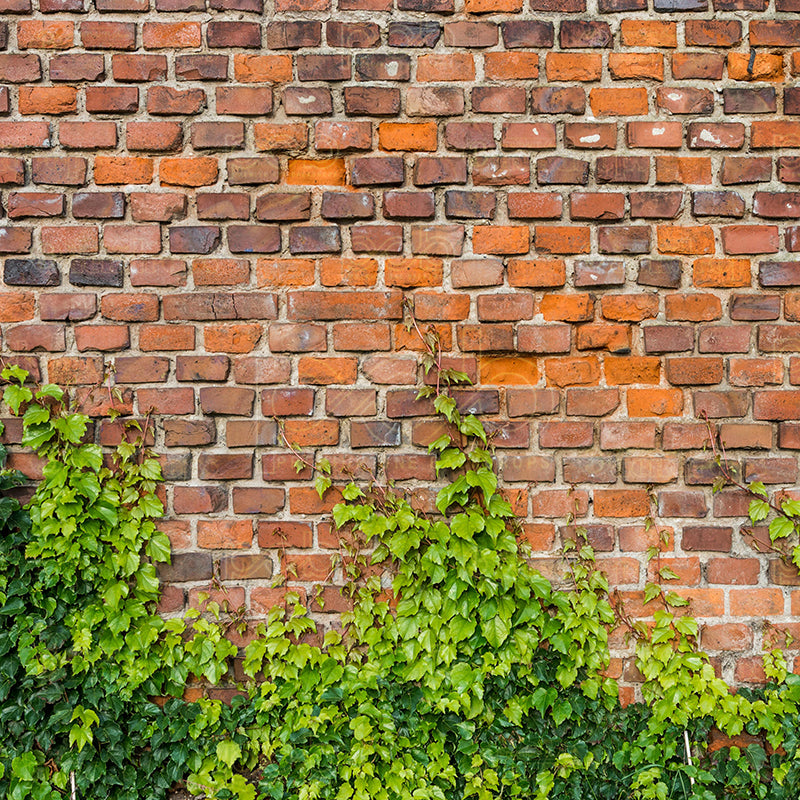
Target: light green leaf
228 752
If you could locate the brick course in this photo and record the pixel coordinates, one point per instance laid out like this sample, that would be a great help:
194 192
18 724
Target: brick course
226 209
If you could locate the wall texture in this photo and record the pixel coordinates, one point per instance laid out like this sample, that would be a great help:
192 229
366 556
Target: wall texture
227 210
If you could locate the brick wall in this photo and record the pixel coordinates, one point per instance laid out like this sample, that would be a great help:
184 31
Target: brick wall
594 205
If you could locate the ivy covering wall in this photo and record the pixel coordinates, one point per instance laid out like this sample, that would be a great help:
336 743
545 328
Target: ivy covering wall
467 674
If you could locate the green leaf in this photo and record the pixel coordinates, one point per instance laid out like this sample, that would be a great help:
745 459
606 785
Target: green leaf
228 752
446 406
50 390
14 372
322 483
472 426
759 510
24 766
495 630
651 591
15 396
72 427
780 528
159 547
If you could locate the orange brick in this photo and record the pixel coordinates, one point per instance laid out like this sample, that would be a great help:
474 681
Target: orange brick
250 68
627 66
233 338
410 136
492 6
685 170
765 67
70 239
721 272
500 239
47 99
234 534
574 66
166 337
511 66
220 271
445 67
630 307
312 432
323 370
409 272
632 369
685 239
157 35
620 503
39 34
775 133
197 171
696 307
655 402
537 273
764 602
603 336
577 371
648 33
618 102
280 136
348 271
324 172
284 272
569 308
405 339
16 306
562 239
508 370
122 170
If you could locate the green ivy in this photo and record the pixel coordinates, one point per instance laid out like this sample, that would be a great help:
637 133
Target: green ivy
460 671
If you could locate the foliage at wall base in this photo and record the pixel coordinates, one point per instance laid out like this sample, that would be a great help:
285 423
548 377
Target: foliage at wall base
469 676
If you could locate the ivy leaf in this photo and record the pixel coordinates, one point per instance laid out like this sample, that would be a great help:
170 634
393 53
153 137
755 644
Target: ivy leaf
675 600
14 372
322 483
461 628
791 507
351 492
445 406
35 415
495 630
361 727
72 427
15 396
561 711
50 390
758 511
228 752
24 766
241 789
472 426
159 548
780 528
651 591
451 458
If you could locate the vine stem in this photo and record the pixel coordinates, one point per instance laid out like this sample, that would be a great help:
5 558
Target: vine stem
435 354
688 749
721 457
292 447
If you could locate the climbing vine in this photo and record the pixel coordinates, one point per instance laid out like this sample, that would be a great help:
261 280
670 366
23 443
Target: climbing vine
459 671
